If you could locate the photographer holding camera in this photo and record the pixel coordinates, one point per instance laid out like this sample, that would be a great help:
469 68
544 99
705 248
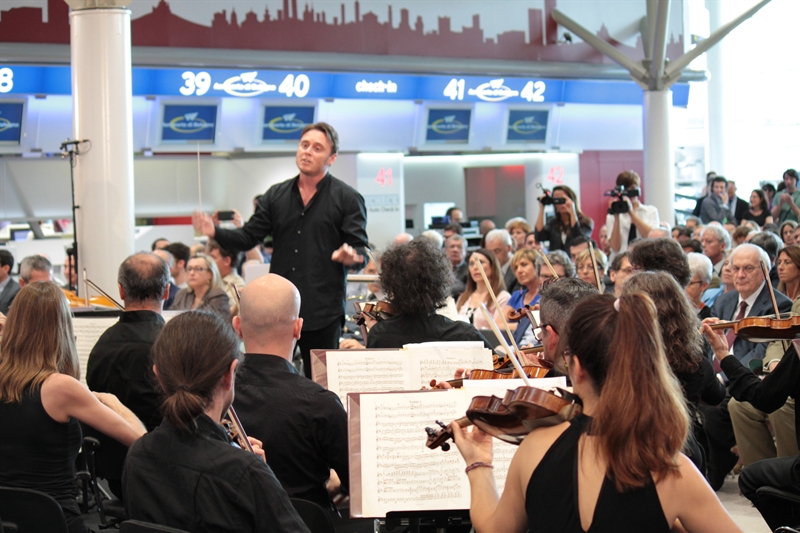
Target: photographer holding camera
628 218
569 221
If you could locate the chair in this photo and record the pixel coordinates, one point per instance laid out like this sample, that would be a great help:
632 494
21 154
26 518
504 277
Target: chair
30 510
87 475
782 496
316 518
137 526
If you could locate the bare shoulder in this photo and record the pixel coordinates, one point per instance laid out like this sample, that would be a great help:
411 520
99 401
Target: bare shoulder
60 393
538 441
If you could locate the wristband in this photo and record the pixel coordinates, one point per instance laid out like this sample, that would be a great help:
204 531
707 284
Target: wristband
473 466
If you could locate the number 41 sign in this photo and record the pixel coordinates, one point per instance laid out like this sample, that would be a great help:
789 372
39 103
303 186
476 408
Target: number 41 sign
380 181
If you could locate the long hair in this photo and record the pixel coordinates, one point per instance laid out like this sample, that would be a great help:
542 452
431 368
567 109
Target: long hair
680 327
582 219
416 277
37 340
792 251
495 280
641 419
191 355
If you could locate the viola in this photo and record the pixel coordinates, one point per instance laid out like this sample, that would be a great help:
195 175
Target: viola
763 328
511 419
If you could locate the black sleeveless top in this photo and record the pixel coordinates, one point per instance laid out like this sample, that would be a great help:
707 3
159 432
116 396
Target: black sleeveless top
36 452
551 500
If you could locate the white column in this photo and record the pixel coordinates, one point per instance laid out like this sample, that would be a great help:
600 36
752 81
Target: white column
716 94
100 40
659 168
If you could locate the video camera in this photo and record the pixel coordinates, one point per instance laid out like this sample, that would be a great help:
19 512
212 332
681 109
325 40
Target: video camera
621 206
547 199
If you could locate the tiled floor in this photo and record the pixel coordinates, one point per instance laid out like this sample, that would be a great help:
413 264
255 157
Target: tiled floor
744 514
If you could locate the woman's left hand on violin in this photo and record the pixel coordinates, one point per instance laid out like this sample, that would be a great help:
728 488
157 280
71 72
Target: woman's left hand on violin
474 444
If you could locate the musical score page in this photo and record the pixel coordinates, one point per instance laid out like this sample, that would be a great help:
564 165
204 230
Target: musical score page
400 472
87 332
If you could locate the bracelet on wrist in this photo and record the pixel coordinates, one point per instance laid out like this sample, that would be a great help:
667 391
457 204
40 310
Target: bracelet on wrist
479 464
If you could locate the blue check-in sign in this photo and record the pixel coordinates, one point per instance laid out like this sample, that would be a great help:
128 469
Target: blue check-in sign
11 122
286 123
448 125
189 123
527 125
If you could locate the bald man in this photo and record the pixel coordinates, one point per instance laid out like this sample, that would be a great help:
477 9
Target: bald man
303 426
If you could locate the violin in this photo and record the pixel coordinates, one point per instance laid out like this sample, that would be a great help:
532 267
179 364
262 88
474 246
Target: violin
236 431
511 419
538 369
522 311
377 311
763 328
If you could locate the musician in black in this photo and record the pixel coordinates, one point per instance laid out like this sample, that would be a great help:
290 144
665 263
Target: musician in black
186 474
416 277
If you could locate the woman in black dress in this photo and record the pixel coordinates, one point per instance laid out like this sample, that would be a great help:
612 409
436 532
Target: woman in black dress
759 208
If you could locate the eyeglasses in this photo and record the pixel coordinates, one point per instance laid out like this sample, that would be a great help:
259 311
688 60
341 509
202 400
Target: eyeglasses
694 282
749 269
196 269
627 270
537 332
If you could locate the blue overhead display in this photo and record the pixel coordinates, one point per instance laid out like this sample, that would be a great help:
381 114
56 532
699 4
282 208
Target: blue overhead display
286 123
284 85
10 122
528 125
448 125
189 123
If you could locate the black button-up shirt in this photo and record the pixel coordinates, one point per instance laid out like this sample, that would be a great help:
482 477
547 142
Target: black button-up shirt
201 483
304 238
303 427
395 332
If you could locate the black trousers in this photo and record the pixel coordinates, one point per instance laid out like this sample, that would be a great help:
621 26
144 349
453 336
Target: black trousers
719 439
326 338
782 473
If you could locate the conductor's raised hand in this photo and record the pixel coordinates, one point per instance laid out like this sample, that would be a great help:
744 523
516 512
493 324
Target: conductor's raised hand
203 224
347 255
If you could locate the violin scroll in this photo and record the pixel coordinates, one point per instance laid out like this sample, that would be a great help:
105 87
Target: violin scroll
437 438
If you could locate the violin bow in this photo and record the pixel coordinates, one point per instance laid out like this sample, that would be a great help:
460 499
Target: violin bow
547 262
765 271
511 353
594 265
89 283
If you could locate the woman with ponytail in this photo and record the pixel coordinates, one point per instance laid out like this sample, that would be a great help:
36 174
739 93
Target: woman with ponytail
616 467
186 474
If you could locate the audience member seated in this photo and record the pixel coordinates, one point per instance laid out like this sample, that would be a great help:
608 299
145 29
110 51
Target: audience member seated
173 289
692 246
70 273
502 245
434 236
637 223
452 228
402 238
771 244
567 224
351 333
605 245
586 269
658 233
700 266
35 268
182 254
716 241
739 235
769 192
758 210
750 298
693 221
786 232
623 451
226 264
578 245
468 303
416 278
159 244
796 236
120 361
456 249
455 215
777 389
518 228
304 429
715 205
684 348
789 271
42 401
204 289
186 474
524 265
561 267
619 271
8 287
531 242
486 225
666 255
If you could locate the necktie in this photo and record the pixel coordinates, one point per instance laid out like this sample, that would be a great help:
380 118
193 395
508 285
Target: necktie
731 336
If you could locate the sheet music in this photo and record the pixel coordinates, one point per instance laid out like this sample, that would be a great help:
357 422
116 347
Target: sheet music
401 473
366 371
87 332
440 362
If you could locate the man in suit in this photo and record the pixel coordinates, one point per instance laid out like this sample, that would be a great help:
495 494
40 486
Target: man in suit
456 249
751 298
737 206
8 287
500 243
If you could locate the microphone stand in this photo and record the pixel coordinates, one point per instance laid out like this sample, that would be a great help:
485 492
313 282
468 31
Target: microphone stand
71 149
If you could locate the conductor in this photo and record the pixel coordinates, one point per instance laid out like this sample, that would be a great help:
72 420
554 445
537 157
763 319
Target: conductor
318 227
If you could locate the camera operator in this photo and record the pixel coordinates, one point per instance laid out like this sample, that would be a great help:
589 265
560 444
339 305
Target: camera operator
628 218
568 223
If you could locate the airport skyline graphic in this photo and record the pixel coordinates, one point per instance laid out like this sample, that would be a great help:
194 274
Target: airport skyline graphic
297 26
